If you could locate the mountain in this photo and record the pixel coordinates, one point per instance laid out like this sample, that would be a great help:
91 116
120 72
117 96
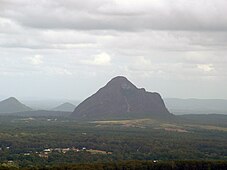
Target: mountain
67 107
12 105
119 98
196 106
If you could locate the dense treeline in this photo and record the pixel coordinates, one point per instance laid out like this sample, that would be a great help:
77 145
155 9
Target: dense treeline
137 165
22 140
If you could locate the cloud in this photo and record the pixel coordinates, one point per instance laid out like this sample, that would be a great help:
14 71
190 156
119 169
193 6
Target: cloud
101 59
8 26
50 70
206 67
36 60
171 70
127 15
164 41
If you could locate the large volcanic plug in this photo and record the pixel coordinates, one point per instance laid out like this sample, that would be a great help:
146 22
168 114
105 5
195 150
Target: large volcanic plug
120 97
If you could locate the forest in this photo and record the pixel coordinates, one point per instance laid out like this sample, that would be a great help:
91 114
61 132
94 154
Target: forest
45 142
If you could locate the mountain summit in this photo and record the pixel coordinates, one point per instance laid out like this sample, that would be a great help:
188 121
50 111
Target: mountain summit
66 107
119 98
12 105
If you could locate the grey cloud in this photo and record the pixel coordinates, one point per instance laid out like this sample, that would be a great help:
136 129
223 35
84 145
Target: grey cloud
117 15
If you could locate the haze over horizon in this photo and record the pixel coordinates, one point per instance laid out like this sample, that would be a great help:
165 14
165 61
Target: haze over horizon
69 49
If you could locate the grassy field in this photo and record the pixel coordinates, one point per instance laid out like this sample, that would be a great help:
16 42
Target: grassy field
143 123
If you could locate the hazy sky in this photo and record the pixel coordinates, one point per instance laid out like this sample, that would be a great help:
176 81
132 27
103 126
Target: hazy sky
70 48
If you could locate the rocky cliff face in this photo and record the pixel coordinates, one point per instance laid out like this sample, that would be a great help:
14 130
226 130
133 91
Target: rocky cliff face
120 97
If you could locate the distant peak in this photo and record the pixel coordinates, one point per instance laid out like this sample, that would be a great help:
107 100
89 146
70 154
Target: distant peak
12 105
68 107
11 99
67 103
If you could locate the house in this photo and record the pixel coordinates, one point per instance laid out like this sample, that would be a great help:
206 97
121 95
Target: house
47 150
64 150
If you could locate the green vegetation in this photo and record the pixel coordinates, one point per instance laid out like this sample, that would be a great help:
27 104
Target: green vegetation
134 165
51 141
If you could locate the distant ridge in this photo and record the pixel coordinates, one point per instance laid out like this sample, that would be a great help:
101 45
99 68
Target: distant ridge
12 105
66 107
120 98
196 106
